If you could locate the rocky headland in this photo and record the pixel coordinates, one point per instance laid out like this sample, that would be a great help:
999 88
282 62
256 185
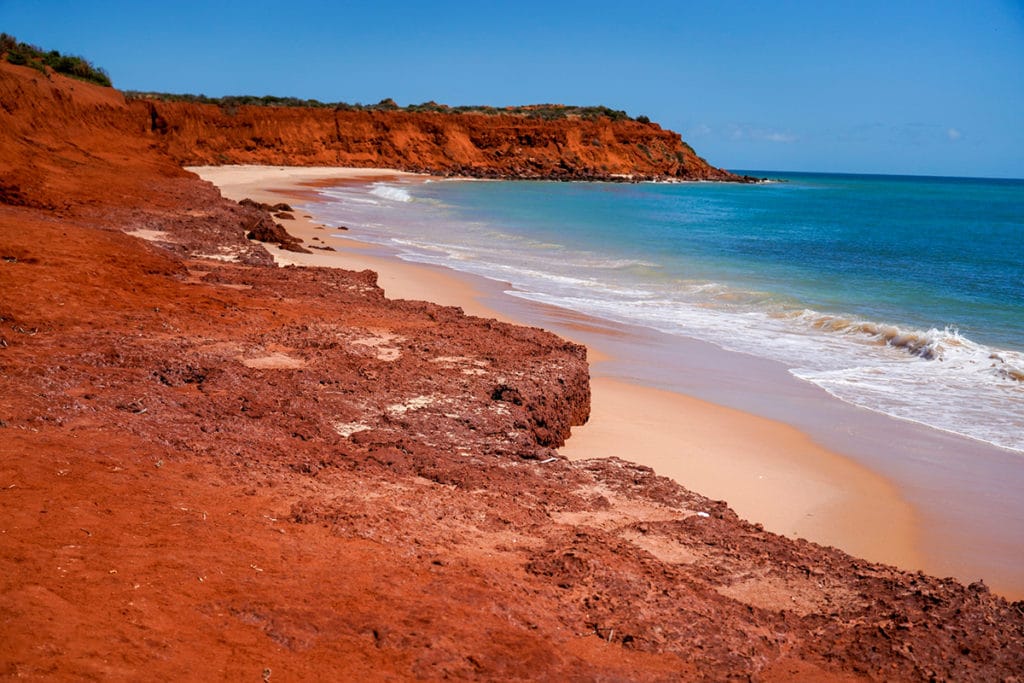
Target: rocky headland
214 467
496 144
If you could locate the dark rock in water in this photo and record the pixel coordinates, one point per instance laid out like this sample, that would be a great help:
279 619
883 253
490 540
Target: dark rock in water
284 215
253 204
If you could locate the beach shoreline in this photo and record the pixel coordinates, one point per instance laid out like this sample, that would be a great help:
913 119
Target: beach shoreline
769 471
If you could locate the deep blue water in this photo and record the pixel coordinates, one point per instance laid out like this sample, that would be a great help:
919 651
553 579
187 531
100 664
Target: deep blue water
900 294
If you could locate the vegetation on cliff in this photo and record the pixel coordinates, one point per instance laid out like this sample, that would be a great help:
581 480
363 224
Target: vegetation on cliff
548 112
25 54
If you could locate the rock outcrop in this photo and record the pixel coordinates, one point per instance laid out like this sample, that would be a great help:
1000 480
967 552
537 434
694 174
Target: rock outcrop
212 467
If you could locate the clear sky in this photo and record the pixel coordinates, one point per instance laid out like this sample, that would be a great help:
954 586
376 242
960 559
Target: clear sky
893 86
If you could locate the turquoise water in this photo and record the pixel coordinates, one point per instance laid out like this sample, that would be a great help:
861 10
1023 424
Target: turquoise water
904 295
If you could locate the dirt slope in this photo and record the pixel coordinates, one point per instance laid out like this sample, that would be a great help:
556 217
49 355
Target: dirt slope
211 467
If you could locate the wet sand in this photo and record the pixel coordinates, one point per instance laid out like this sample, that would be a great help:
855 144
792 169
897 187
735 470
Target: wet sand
774 462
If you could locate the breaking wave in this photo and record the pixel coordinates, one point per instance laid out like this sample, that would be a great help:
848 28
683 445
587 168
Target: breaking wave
392 193
946 345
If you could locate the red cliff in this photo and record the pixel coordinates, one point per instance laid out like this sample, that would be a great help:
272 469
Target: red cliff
468 144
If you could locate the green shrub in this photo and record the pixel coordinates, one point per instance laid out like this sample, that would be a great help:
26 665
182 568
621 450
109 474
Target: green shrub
547 112
24 54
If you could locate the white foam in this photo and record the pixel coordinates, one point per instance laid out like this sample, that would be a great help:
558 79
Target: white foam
937 377
958 386
392 193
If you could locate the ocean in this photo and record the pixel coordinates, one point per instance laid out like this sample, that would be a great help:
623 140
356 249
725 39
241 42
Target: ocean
902 295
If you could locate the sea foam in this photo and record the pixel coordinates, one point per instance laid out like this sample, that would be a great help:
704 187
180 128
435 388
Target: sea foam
936 376
391 193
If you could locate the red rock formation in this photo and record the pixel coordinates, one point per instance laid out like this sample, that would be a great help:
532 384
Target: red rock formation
469 144
216 469
478 145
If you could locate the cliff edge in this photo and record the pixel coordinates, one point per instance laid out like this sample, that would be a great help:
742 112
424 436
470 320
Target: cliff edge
496 145
529 142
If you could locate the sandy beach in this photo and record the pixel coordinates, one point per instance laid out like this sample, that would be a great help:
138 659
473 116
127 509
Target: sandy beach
769 472
809 467
399 280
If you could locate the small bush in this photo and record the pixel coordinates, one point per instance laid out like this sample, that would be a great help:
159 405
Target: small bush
24 54
547 112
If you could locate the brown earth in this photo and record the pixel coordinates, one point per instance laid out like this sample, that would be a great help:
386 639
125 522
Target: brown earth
211 467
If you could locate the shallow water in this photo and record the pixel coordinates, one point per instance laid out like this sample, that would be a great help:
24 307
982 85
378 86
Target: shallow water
901 295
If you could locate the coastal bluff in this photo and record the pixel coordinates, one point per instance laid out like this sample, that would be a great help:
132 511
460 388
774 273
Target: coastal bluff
213 467
469 144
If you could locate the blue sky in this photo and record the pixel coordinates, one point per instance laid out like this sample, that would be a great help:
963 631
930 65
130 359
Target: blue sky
928 87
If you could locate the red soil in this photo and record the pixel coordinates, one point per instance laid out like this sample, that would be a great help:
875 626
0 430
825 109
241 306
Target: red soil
217 469
493 146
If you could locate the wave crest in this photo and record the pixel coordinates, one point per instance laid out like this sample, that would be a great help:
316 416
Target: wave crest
945 345
391 193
